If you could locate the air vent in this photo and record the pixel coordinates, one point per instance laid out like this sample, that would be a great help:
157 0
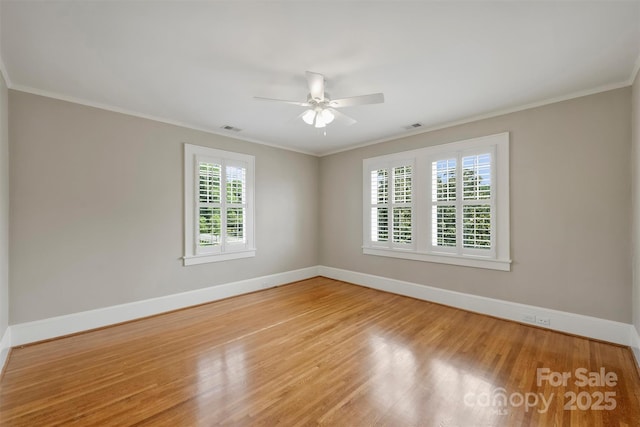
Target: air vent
413 126
230 128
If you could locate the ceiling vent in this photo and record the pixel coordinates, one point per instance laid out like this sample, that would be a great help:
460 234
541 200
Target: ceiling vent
413 126
230 128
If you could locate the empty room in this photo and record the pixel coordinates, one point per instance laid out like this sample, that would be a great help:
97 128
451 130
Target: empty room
340 213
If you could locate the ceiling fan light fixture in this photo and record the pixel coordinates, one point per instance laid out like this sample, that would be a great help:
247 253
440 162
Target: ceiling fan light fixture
321 109
309 117
320 123
327 116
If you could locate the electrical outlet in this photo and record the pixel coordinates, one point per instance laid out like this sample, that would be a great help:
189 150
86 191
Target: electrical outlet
543 321
529 318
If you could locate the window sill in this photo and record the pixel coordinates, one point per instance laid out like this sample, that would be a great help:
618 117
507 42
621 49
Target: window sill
202 259
466 261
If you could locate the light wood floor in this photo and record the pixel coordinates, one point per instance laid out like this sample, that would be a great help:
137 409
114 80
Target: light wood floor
315 352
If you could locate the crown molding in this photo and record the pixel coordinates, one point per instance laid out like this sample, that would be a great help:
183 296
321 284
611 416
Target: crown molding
443 125
487 115
111 108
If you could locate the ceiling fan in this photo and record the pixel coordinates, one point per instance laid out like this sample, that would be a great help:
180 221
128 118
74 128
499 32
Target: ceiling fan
321 108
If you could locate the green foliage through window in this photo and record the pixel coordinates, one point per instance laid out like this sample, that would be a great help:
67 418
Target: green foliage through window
211 217
209 227
401 223
476 186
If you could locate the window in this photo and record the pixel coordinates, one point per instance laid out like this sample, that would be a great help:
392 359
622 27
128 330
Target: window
391 206
446 203
218 205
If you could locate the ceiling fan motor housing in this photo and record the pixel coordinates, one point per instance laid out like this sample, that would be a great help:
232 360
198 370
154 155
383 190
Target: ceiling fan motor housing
323 103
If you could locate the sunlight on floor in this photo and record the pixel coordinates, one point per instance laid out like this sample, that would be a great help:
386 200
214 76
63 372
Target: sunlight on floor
222 378
400 386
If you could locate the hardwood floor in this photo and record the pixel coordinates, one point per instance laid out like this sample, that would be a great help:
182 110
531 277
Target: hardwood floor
319 352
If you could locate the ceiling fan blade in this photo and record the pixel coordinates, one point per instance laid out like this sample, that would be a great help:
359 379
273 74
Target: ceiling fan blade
301 104
374 98
316 85
341 117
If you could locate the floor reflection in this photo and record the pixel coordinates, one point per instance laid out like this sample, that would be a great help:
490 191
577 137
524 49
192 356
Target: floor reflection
425 390
458 395
394 370
222 378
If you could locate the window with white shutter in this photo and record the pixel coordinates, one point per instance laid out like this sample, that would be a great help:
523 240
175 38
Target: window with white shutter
477 203
462 208
391 205
218 205
402 207
444 210
380 205
447 203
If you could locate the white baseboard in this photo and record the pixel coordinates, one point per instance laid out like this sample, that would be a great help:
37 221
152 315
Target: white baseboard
5 346
29 332
635 344
586 326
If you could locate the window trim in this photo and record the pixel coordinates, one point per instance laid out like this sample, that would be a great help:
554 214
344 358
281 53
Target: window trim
225 252
422 249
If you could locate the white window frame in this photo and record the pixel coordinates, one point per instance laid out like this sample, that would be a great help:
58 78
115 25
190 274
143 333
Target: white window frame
421 249
194 253
390 165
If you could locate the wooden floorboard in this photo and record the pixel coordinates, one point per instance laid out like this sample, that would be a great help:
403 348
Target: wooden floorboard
315 352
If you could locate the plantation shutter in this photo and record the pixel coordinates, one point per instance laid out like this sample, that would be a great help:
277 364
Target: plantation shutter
209 205
391 205
462 216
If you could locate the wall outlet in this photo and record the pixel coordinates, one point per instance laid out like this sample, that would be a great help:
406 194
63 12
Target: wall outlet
529 318
543 321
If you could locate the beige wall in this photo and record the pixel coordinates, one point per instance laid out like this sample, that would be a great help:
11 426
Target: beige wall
4 208
635 114
570 209
97 209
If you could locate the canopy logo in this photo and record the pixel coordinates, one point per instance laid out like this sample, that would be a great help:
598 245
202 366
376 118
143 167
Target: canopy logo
500 400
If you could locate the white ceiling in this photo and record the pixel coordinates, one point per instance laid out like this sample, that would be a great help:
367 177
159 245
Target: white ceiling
200 63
